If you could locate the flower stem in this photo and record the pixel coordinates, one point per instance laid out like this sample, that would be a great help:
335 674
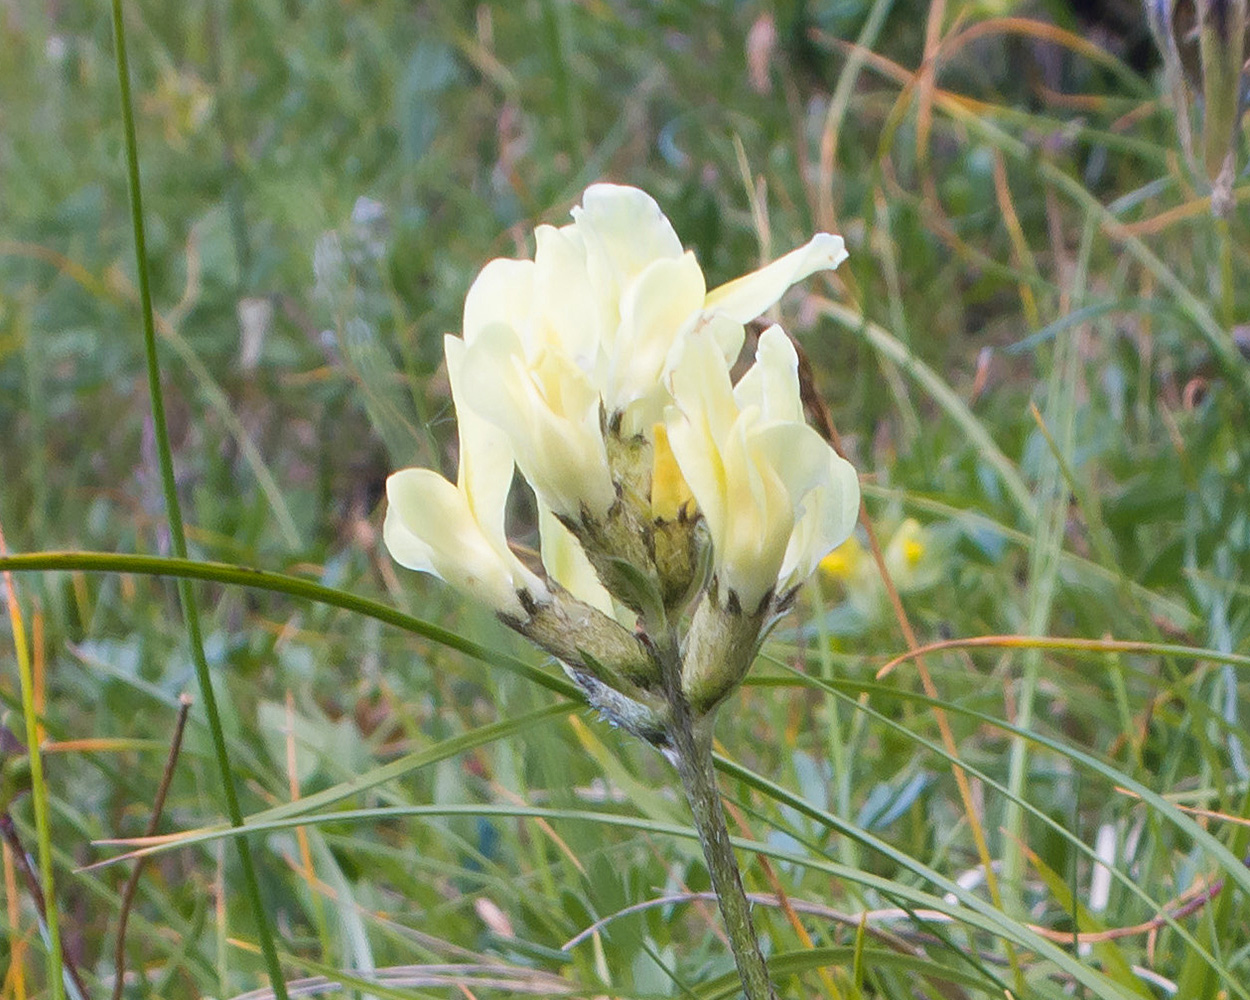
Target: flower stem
691 752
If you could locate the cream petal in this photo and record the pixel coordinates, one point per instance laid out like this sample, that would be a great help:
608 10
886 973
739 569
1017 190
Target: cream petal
798 453
698 457
728 335
698 422
549 411
828 513
725 337
503 292
654 311
430 527
772 383
761 515
643 413
625 229
486 462
576 315
745 298
699 382
406 548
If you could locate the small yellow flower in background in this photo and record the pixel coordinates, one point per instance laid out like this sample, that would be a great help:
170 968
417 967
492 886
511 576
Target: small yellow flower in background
904 556
845 563
911 557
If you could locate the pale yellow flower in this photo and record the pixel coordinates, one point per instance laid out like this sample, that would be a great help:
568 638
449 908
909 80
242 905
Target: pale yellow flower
568 363
845 563
597 321
456 531
911 557
905 555
774 494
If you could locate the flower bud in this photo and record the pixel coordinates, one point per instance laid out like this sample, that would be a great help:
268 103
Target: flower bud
719 648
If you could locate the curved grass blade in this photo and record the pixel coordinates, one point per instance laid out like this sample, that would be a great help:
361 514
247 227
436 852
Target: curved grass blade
1235 871
393 771
298 587
832 688
293 586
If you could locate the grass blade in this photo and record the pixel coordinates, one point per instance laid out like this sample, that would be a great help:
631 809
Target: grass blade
174 509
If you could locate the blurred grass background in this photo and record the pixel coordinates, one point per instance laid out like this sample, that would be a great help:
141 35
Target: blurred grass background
1021 355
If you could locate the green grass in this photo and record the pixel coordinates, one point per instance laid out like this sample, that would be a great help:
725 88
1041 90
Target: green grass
1029 351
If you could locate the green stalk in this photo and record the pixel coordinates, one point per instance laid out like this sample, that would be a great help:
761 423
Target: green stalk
178 536
690 750
692 744
1052 502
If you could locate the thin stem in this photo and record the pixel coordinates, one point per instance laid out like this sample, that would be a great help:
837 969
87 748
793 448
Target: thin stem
690 750
1228 288
251 888
692 745
57 957
46 914
132 884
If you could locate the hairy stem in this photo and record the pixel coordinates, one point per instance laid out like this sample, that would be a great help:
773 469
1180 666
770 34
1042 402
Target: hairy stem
690 749
693 752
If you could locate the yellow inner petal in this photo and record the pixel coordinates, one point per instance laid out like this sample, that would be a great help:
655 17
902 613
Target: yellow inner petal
669 490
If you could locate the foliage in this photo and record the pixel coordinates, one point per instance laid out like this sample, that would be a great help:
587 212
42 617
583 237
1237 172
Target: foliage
1034 350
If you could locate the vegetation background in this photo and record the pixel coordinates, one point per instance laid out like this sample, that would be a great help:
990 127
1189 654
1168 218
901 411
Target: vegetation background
1023 354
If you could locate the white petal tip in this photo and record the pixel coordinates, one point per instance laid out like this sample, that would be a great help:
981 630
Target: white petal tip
828 251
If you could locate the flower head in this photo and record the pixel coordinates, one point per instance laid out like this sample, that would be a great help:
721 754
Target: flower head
601 369
597 320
